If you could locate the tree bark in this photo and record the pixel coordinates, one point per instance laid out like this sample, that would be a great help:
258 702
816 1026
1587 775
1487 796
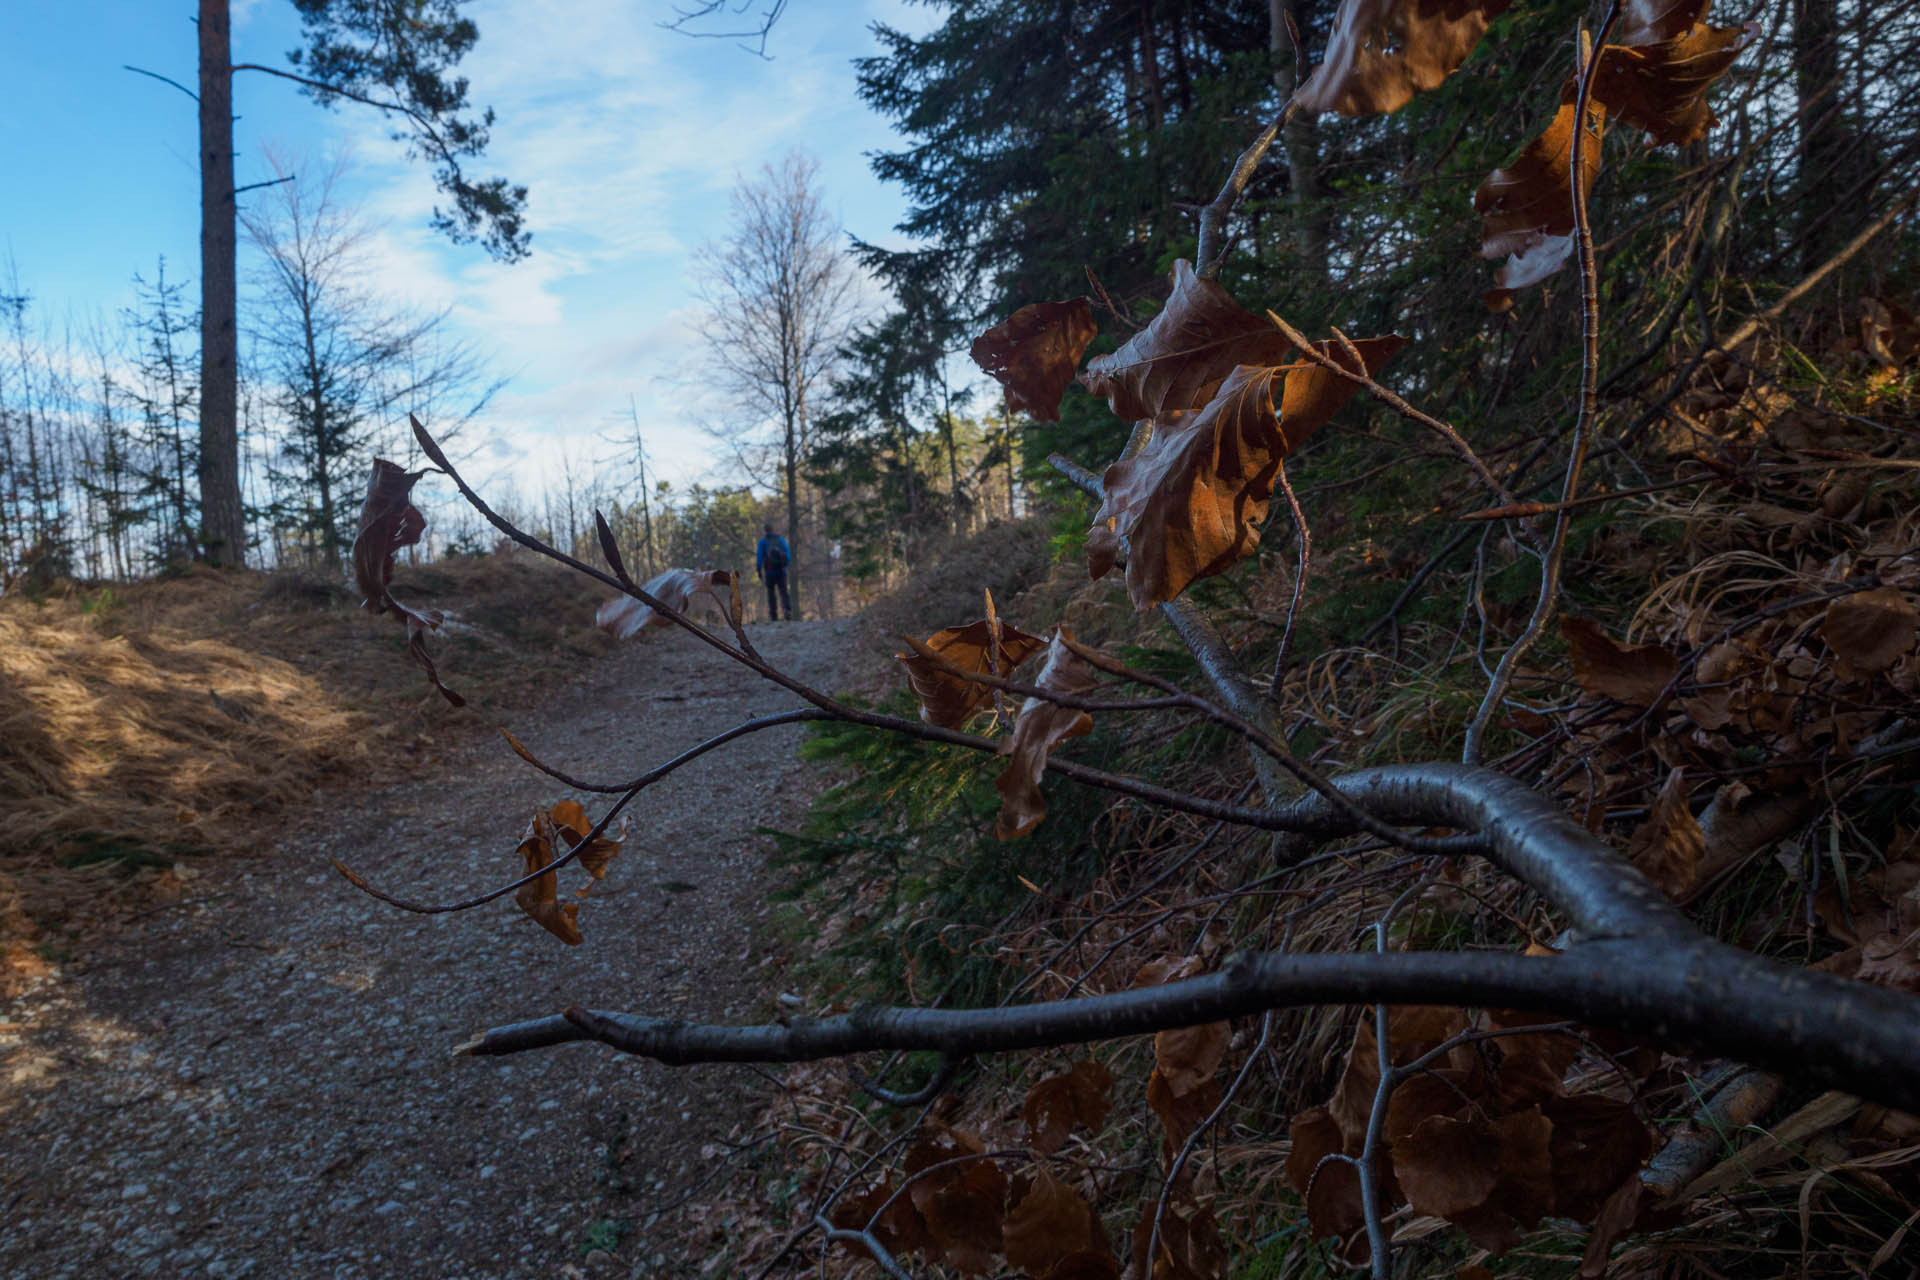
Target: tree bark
793 520
1826 140
1312 216
223 529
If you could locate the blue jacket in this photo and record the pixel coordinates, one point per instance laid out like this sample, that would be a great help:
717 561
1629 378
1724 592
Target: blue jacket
760 554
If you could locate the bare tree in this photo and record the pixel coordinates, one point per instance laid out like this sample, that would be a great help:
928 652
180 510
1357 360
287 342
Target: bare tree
335 360
779 297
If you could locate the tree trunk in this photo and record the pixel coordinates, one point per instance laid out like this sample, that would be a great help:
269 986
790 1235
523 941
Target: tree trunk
1312 216
222 517
793 520
1006 434
1826 141
953 459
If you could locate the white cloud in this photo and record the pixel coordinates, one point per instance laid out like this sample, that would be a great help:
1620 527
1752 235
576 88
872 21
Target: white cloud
630 139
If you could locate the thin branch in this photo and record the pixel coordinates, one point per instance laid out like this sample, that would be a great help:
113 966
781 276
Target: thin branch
1213 219
936 1084
1846 254
1299 579
865 1240
270 182
1548 601
155 75
1360 378
1202 1129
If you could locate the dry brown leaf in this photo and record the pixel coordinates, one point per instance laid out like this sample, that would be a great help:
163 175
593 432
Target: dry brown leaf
1104 549
571 820
1181 1113
1872 630
388 522
1048 1222
1597 1143
1670 845
946 699
625 617
1434 1092
1189 1056
1527 207
1446 1166
963 1205
1523 1193
1040 727
1190 1247
1315 1136
1180 359
1614 1220
1182 1090
1034 352
1382 52
1655 75
1891 959
1082 1095
1633 674
899 1230
1085 1265
540 898
1190 504
1331 1188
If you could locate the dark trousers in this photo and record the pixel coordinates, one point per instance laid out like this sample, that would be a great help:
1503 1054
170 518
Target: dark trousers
778 578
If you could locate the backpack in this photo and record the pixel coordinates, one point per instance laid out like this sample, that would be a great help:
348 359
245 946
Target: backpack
775 556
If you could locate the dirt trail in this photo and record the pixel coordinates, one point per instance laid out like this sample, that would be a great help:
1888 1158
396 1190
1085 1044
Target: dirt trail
258 1082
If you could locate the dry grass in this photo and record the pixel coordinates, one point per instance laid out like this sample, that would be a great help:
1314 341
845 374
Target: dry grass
147 725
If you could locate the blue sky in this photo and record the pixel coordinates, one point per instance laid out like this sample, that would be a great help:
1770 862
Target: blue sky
629 137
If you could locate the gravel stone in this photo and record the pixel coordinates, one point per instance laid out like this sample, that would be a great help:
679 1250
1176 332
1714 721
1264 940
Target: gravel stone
271 1052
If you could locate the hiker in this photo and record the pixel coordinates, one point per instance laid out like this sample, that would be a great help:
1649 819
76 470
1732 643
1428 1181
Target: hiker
770 560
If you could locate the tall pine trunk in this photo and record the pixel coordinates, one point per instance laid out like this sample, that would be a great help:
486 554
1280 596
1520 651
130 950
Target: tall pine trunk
222 518
1312 216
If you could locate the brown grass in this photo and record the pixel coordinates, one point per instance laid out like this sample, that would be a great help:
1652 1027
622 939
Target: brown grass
143 726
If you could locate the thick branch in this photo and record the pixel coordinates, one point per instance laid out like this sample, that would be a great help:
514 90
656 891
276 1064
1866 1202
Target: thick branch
1688 992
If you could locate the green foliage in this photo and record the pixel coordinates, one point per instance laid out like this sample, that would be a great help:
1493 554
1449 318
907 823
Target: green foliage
913 826
408 53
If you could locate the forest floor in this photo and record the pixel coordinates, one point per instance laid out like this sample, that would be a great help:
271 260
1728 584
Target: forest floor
255 1079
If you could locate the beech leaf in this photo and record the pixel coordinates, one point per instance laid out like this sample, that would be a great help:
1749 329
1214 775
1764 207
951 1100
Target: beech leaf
946 699
963 1205
1872 630
1048 1221
1082 1096
626 617
1040 727
1190 1248
1382 52
1526 208
1191 503
570 819
1633 674
1669 845
388 522
1597 1142
1183 355
1188 1057
1033 353
1446 1166
539 898
1656 73
899 1230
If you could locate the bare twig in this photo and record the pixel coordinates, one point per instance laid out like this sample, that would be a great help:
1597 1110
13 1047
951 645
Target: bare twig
1299 578
1359 377
1548 601
1213 219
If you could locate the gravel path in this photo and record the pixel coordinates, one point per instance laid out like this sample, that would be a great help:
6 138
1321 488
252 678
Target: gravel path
256 1081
